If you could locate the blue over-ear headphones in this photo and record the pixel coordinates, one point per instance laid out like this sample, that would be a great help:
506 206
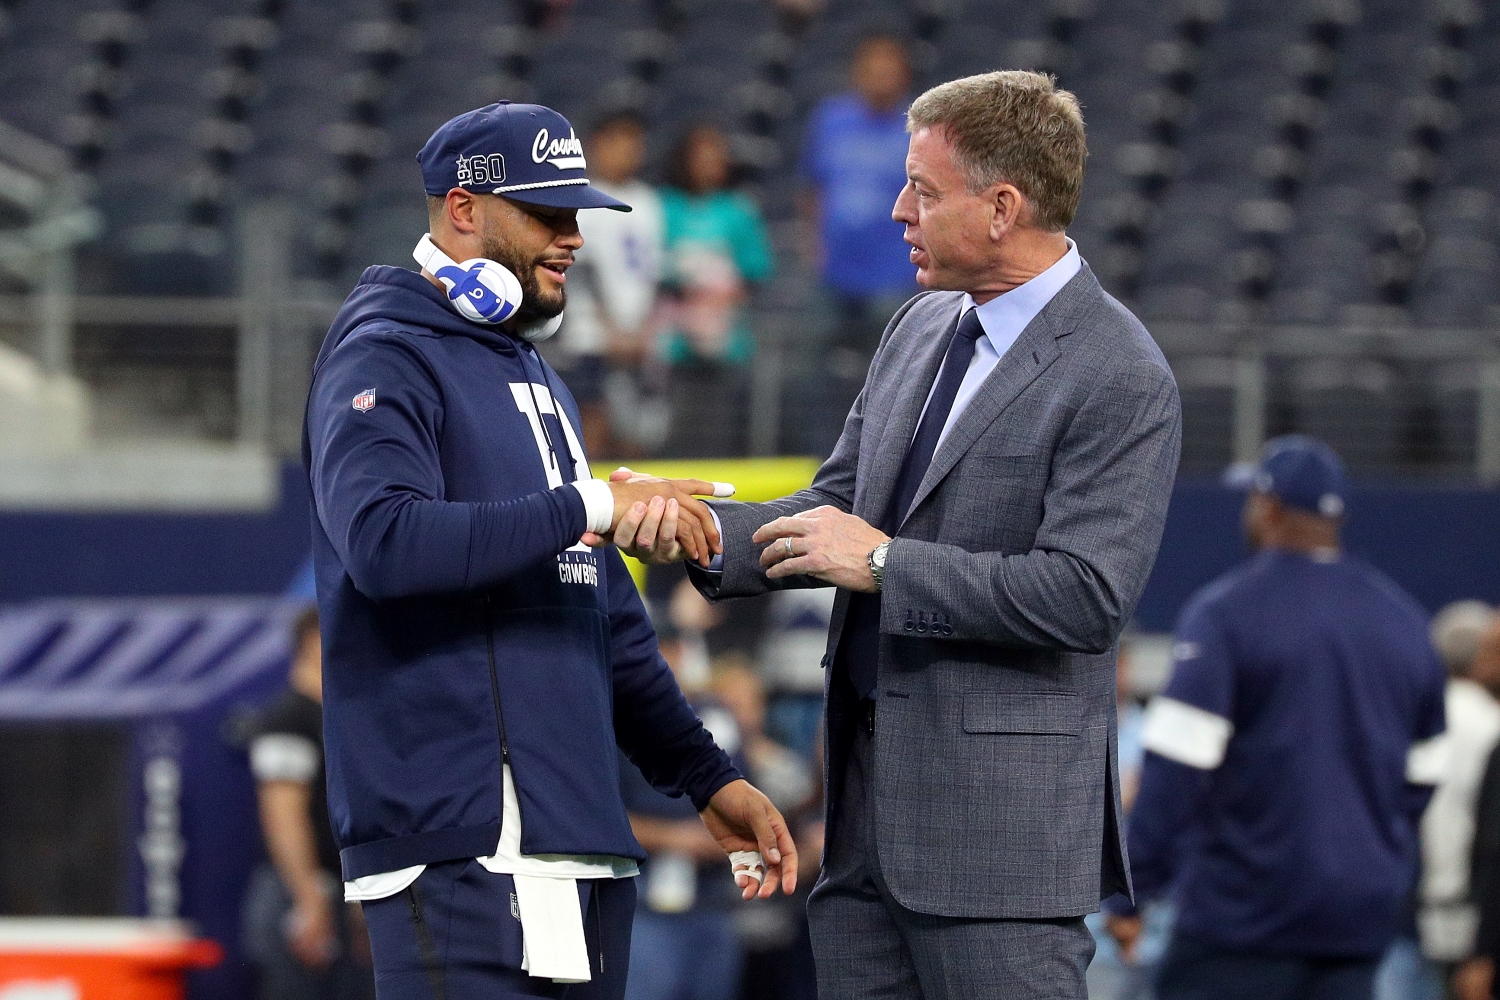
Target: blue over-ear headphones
481 290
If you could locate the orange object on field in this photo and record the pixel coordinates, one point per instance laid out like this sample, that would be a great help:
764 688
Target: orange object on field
98 958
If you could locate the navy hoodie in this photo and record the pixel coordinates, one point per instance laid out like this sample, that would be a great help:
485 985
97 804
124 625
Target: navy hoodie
464 625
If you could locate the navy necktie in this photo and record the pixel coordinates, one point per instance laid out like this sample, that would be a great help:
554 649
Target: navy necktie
944 392
859 645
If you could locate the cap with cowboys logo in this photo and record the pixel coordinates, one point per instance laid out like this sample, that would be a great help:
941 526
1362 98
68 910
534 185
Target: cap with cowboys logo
525 152
1301 472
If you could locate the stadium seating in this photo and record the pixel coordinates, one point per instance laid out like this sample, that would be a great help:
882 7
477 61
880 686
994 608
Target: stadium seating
1331 162
182 109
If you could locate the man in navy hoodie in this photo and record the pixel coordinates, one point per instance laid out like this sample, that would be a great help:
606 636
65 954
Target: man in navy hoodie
483 653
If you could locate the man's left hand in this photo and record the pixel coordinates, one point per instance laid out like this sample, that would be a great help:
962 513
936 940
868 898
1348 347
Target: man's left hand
824 543
741 818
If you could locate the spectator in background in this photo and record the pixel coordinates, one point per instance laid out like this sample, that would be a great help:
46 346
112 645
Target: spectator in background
790 660
717 248
1447 917
1131 718
608 328
544 15
1418 963
1293 741
1475 978
306 943
853 166
796 15
684 945
785 777
1118 973
775 938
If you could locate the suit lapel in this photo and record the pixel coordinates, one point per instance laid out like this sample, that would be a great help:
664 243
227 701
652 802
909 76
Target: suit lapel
896 435
1034 350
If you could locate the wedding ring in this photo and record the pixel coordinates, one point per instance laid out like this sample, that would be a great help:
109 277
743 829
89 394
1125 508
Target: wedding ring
786 543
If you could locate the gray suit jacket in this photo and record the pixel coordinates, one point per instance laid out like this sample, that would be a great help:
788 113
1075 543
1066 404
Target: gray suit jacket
1022 558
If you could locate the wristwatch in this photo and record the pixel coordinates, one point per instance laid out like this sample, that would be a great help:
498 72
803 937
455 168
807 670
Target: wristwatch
877 563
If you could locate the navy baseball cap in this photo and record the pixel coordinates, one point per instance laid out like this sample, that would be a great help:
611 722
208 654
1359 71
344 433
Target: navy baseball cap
524 151
1301 472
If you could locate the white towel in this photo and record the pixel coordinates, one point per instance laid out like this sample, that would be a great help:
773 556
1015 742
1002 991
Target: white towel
552 942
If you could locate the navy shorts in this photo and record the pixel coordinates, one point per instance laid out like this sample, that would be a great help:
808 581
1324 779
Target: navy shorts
453 935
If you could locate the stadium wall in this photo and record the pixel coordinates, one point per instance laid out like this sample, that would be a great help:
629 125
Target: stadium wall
1431 539
1436 541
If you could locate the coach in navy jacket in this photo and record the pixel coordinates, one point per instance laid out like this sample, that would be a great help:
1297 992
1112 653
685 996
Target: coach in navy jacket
1289 758
466 626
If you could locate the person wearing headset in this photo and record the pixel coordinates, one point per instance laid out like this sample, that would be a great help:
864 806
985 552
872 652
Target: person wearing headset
484 651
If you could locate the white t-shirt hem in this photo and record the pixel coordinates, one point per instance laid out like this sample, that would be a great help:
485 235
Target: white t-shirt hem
507 860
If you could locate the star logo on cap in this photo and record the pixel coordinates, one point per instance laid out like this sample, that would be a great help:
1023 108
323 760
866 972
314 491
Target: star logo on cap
481 168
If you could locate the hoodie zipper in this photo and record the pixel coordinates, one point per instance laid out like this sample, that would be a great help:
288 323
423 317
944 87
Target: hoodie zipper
489 643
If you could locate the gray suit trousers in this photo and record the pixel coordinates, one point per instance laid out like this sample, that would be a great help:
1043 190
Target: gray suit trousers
870 947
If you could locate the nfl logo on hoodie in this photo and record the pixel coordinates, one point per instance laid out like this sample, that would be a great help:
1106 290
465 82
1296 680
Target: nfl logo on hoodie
364 400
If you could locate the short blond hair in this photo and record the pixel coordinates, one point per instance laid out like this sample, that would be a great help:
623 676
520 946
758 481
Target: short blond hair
1015 127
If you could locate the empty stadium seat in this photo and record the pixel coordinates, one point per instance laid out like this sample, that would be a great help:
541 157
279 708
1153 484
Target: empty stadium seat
1355 406
1206 387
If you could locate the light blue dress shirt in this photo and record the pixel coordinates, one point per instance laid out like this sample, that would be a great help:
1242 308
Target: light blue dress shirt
1004 318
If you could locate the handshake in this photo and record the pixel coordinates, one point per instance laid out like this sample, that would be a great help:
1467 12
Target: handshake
662 520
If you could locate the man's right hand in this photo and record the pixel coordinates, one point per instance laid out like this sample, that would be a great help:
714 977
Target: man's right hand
1126 930
661 520
1474 979
310 932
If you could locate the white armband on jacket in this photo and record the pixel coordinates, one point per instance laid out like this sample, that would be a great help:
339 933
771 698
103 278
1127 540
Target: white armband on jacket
1428 762
284 757
1186 733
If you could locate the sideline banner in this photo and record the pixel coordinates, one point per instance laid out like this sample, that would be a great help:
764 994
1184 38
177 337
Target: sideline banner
175 673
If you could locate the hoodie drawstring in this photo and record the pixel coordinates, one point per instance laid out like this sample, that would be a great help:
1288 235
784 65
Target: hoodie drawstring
556 410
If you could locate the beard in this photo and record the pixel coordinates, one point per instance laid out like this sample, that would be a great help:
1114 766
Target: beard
536 305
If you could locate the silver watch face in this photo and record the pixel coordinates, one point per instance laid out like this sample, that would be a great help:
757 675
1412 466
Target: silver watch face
878 556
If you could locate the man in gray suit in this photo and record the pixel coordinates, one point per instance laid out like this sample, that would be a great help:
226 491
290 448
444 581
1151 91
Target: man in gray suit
990 516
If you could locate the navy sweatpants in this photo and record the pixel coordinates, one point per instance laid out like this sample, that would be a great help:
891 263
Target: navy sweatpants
454 935
1193 969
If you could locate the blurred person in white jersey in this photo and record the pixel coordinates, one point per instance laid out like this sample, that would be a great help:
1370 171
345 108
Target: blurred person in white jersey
1446 915
608 330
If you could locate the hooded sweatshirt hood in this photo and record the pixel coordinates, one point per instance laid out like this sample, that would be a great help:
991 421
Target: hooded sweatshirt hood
406 298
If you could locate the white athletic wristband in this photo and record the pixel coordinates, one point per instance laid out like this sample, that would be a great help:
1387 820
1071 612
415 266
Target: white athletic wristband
598 504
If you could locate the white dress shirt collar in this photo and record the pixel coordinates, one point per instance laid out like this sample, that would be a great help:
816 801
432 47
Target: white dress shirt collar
1007 314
